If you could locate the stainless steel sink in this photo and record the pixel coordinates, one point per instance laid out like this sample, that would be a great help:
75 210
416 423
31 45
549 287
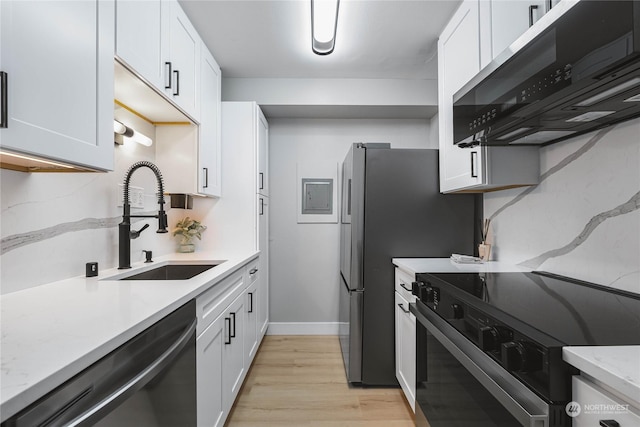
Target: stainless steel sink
172 272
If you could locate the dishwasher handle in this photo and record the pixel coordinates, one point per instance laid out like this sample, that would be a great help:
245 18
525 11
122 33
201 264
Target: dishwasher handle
137 382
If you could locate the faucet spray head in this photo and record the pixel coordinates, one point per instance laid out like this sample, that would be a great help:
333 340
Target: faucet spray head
162 222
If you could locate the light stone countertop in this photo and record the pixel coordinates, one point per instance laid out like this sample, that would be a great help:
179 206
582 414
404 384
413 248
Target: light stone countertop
615 366
445 265
52 332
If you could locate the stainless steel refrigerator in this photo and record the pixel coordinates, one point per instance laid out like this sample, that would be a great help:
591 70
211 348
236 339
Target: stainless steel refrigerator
391 208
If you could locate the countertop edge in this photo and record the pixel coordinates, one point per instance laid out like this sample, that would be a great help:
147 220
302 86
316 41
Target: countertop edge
445 265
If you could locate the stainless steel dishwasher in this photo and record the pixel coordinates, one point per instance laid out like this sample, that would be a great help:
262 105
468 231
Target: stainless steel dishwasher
148 381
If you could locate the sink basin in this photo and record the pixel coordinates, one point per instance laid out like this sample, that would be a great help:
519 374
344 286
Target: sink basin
171 272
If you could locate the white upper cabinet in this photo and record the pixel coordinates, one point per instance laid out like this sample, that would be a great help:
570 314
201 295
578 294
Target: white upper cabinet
139 38
58 60
263 154
156 40
458 62
510 19
463 49
182 65
209 154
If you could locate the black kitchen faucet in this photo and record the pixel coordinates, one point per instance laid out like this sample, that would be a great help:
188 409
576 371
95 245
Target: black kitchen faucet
124 228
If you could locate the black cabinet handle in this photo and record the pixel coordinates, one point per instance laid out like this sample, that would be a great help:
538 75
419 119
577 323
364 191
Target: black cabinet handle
402 308
205 177
474 156
531 9
233 334
403 286
250 302
168 73
4 121
609 423
550 5
253 271
261 181
227 327
176 92
261 206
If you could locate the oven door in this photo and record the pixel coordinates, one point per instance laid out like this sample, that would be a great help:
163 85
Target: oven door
458 385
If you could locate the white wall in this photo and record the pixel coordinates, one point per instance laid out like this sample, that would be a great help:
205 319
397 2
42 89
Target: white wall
583 219
304 264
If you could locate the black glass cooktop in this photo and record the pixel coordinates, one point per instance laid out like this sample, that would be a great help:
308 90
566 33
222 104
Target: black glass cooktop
571 311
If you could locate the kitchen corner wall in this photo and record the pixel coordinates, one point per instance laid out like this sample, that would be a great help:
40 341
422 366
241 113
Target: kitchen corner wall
54 223
583 219
304 258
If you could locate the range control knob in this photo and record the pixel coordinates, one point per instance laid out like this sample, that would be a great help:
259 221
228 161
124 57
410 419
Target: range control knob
416 288
458 311
490 337
520 356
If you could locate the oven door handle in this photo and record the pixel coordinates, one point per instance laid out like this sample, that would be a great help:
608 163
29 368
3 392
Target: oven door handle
140 380
522 403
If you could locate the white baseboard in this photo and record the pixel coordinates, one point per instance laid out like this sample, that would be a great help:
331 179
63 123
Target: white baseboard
303 328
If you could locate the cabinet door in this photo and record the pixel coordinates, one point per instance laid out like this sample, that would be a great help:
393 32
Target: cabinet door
510 19
209 368
209 153
233 365
405 349
182 68
139 38
458 62
58 57
263 246
263 154
252 296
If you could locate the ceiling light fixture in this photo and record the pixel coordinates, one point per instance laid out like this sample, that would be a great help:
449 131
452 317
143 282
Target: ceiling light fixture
324 22
125 133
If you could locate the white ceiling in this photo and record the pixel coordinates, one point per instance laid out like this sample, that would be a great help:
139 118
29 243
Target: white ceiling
379 39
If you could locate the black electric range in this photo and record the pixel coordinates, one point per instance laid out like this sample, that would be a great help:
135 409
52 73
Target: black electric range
522 320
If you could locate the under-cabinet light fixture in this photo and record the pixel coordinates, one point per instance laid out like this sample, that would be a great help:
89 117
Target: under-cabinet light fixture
324 22
125 133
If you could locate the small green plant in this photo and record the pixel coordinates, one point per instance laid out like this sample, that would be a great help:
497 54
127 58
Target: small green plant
188 228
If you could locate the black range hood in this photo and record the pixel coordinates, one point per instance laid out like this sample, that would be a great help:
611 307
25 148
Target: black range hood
579 73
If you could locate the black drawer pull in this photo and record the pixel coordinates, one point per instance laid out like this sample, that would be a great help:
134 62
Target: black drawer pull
233 334
4 108
403 309
250 302
531 9
227 328
168 74
403 286
177 91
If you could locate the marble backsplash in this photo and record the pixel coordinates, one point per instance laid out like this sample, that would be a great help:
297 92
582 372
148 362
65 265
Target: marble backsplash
583 219
51 225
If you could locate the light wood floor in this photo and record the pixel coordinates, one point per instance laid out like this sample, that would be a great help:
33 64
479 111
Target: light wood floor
300 381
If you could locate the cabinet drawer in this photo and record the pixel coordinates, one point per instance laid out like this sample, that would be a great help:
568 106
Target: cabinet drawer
211 303
403 284
252 271
596 404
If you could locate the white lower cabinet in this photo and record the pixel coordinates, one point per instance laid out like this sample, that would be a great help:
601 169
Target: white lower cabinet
593 406
209 370
252 294
233 363
405 326
227 342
